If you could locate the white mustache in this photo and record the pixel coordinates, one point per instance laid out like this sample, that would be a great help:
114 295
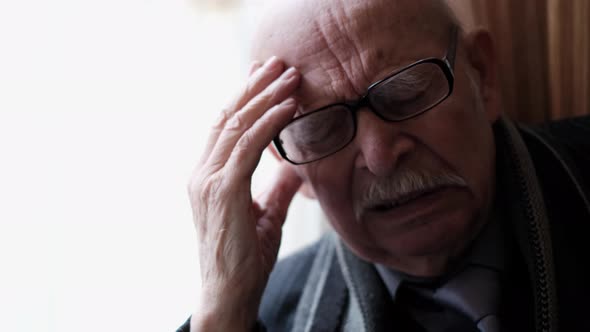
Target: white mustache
403 187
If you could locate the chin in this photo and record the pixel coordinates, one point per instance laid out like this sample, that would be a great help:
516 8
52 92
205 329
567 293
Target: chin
429 249
429 266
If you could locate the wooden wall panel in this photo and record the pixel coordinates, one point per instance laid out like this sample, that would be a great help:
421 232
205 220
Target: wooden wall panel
543 51
569 54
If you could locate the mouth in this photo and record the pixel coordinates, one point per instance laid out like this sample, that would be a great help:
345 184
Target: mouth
410 195
385 206
405 212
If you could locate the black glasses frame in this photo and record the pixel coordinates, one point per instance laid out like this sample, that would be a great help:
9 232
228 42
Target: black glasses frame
446 64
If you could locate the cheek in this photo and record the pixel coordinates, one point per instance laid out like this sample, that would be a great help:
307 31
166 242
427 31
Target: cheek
459 133
333 182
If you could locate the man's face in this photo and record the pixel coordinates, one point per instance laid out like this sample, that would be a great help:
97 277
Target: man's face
421 233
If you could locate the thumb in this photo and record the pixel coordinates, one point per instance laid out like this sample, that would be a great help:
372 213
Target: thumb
275 202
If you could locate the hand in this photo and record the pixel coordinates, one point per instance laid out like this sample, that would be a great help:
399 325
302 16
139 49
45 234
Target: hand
239 237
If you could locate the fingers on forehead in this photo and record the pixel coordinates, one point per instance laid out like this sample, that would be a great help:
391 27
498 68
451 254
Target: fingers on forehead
239 131
258 81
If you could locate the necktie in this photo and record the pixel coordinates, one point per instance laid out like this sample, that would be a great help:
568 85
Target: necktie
475 292
418 305
467 303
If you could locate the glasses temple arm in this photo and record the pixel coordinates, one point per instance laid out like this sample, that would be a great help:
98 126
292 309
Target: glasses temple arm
452 51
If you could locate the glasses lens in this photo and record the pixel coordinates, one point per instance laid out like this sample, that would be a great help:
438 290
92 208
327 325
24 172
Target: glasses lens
409 92
318 134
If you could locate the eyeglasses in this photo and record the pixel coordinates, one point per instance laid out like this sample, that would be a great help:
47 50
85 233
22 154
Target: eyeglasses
404 94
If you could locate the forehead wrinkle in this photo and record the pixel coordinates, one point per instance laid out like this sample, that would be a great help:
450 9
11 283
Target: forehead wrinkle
369 58
337 49
355 20
349 62
342 46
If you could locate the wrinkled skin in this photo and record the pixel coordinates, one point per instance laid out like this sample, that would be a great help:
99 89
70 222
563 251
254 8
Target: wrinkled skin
343 51
239 236
339 48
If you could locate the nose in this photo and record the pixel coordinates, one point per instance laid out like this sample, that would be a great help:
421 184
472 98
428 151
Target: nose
381 145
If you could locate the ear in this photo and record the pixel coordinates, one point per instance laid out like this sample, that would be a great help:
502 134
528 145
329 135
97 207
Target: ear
305 189
481 55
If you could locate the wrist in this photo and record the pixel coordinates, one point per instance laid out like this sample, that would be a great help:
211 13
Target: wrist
213 321
215 314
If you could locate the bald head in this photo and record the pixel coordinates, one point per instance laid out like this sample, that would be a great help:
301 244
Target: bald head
296 15
347 44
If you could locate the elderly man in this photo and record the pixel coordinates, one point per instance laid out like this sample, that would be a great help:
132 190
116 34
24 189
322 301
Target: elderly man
446 217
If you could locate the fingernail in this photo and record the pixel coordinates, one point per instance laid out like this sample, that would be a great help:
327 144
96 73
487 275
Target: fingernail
288 102
253 67
272 63
290 73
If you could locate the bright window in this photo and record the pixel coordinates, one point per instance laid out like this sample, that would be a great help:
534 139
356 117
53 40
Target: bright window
104 109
